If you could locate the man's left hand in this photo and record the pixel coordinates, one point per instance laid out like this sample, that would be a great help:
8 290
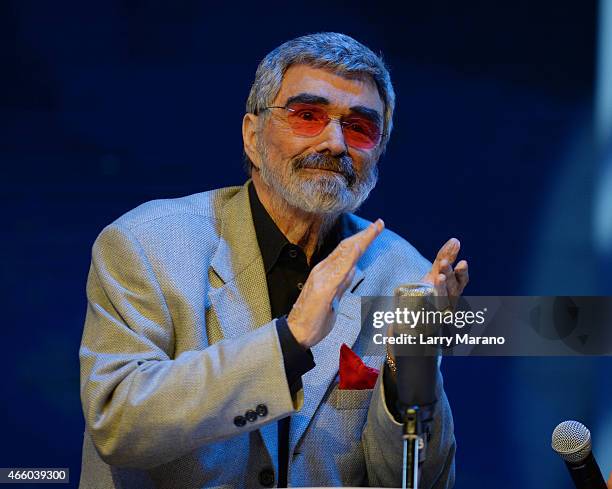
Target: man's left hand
448 281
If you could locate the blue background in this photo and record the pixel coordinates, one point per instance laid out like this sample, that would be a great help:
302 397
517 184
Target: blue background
105 105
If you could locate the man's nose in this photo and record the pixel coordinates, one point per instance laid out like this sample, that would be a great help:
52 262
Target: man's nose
333 139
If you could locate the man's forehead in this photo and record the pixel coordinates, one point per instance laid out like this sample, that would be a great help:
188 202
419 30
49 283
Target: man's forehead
337 89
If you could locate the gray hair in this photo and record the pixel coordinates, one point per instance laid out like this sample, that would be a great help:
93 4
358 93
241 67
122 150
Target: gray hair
336 52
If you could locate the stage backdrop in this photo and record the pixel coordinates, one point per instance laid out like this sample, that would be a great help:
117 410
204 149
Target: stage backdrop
107 104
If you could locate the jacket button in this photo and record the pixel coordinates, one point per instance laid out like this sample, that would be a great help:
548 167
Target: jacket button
239 421
250 415
266 477
262 410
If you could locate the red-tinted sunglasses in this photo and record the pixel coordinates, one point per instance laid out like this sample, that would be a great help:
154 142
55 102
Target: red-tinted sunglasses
309 120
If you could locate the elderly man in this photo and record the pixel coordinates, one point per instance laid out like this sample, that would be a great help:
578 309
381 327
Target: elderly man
211 345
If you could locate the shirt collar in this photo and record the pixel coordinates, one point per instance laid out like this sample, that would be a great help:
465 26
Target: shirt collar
271 240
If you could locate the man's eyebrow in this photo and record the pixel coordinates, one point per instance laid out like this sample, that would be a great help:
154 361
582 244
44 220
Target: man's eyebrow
307 98
367 112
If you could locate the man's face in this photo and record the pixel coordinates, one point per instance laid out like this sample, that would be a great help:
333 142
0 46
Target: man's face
324 173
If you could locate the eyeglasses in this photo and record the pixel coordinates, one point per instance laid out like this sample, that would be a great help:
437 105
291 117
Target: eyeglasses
309 120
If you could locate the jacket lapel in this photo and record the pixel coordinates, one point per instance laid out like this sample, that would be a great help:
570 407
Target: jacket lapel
240 304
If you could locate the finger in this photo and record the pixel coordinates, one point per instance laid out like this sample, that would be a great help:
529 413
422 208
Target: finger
345 283
363 239
335 303
462 274
452 286
348 252
439 284
331 273
449 252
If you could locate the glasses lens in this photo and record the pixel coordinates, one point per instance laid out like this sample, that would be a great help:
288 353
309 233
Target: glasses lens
361 132
306 119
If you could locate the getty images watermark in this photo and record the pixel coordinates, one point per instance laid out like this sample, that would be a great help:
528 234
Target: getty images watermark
490 325
421 322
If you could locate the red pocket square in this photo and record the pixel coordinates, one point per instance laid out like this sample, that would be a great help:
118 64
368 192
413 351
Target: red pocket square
354 374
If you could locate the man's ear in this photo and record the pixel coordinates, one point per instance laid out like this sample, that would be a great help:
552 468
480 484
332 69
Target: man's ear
249 138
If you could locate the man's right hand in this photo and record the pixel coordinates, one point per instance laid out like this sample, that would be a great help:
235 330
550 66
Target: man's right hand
314 313
610 481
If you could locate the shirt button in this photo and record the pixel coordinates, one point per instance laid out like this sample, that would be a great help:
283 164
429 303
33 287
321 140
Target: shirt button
266 477
300 285
250 415
262 410
239 421
293 253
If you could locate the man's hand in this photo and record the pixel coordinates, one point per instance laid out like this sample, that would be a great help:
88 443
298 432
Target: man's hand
610 481
314 313
446 280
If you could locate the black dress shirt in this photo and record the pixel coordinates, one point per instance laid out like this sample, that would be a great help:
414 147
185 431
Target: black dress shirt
286 272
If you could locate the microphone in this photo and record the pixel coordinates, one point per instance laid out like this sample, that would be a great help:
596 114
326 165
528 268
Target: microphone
416 377
572 441
417 363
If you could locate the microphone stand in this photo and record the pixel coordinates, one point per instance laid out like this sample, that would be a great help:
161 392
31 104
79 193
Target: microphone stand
415 432
412 435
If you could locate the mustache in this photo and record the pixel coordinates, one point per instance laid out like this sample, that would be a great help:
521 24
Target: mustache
341 164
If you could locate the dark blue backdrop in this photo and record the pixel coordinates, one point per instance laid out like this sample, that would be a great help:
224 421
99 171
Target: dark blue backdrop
104 105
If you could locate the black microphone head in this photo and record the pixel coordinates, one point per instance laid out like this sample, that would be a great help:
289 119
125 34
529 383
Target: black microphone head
572 441
417 363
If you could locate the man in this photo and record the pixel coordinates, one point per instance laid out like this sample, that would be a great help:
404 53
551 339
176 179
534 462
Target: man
211 345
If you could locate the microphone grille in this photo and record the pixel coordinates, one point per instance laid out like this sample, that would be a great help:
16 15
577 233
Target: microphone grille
415 289
572 441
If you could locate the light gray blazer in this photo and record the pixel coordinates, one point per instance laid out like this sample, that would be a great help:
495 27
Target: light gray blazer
179 340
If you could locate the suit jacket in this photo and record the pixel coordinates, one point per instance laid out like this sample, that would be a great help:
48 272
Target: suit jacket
178 341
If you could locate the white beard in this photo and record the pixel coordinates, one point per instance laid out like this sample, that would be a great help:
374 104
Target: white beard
321 192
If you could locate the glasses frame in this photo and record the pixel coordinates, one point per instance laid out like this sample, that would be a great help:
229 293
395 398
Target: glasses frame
337 118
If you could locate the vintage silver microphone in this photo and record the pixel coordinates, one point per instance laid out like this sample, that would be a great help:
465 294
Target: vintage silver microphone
572 442
416 376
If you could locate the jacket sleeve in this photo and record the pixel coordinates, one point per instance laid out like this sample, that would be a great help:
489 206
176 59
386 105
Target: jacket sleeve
144 407
382 443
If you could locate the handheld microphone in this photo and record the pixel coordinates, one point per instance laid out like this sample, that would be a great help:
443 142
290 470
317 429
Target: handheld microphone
572 441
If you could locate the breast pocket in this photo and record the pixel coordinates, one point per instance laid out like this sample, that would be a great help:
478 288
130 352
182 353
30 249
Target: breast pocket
350 398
